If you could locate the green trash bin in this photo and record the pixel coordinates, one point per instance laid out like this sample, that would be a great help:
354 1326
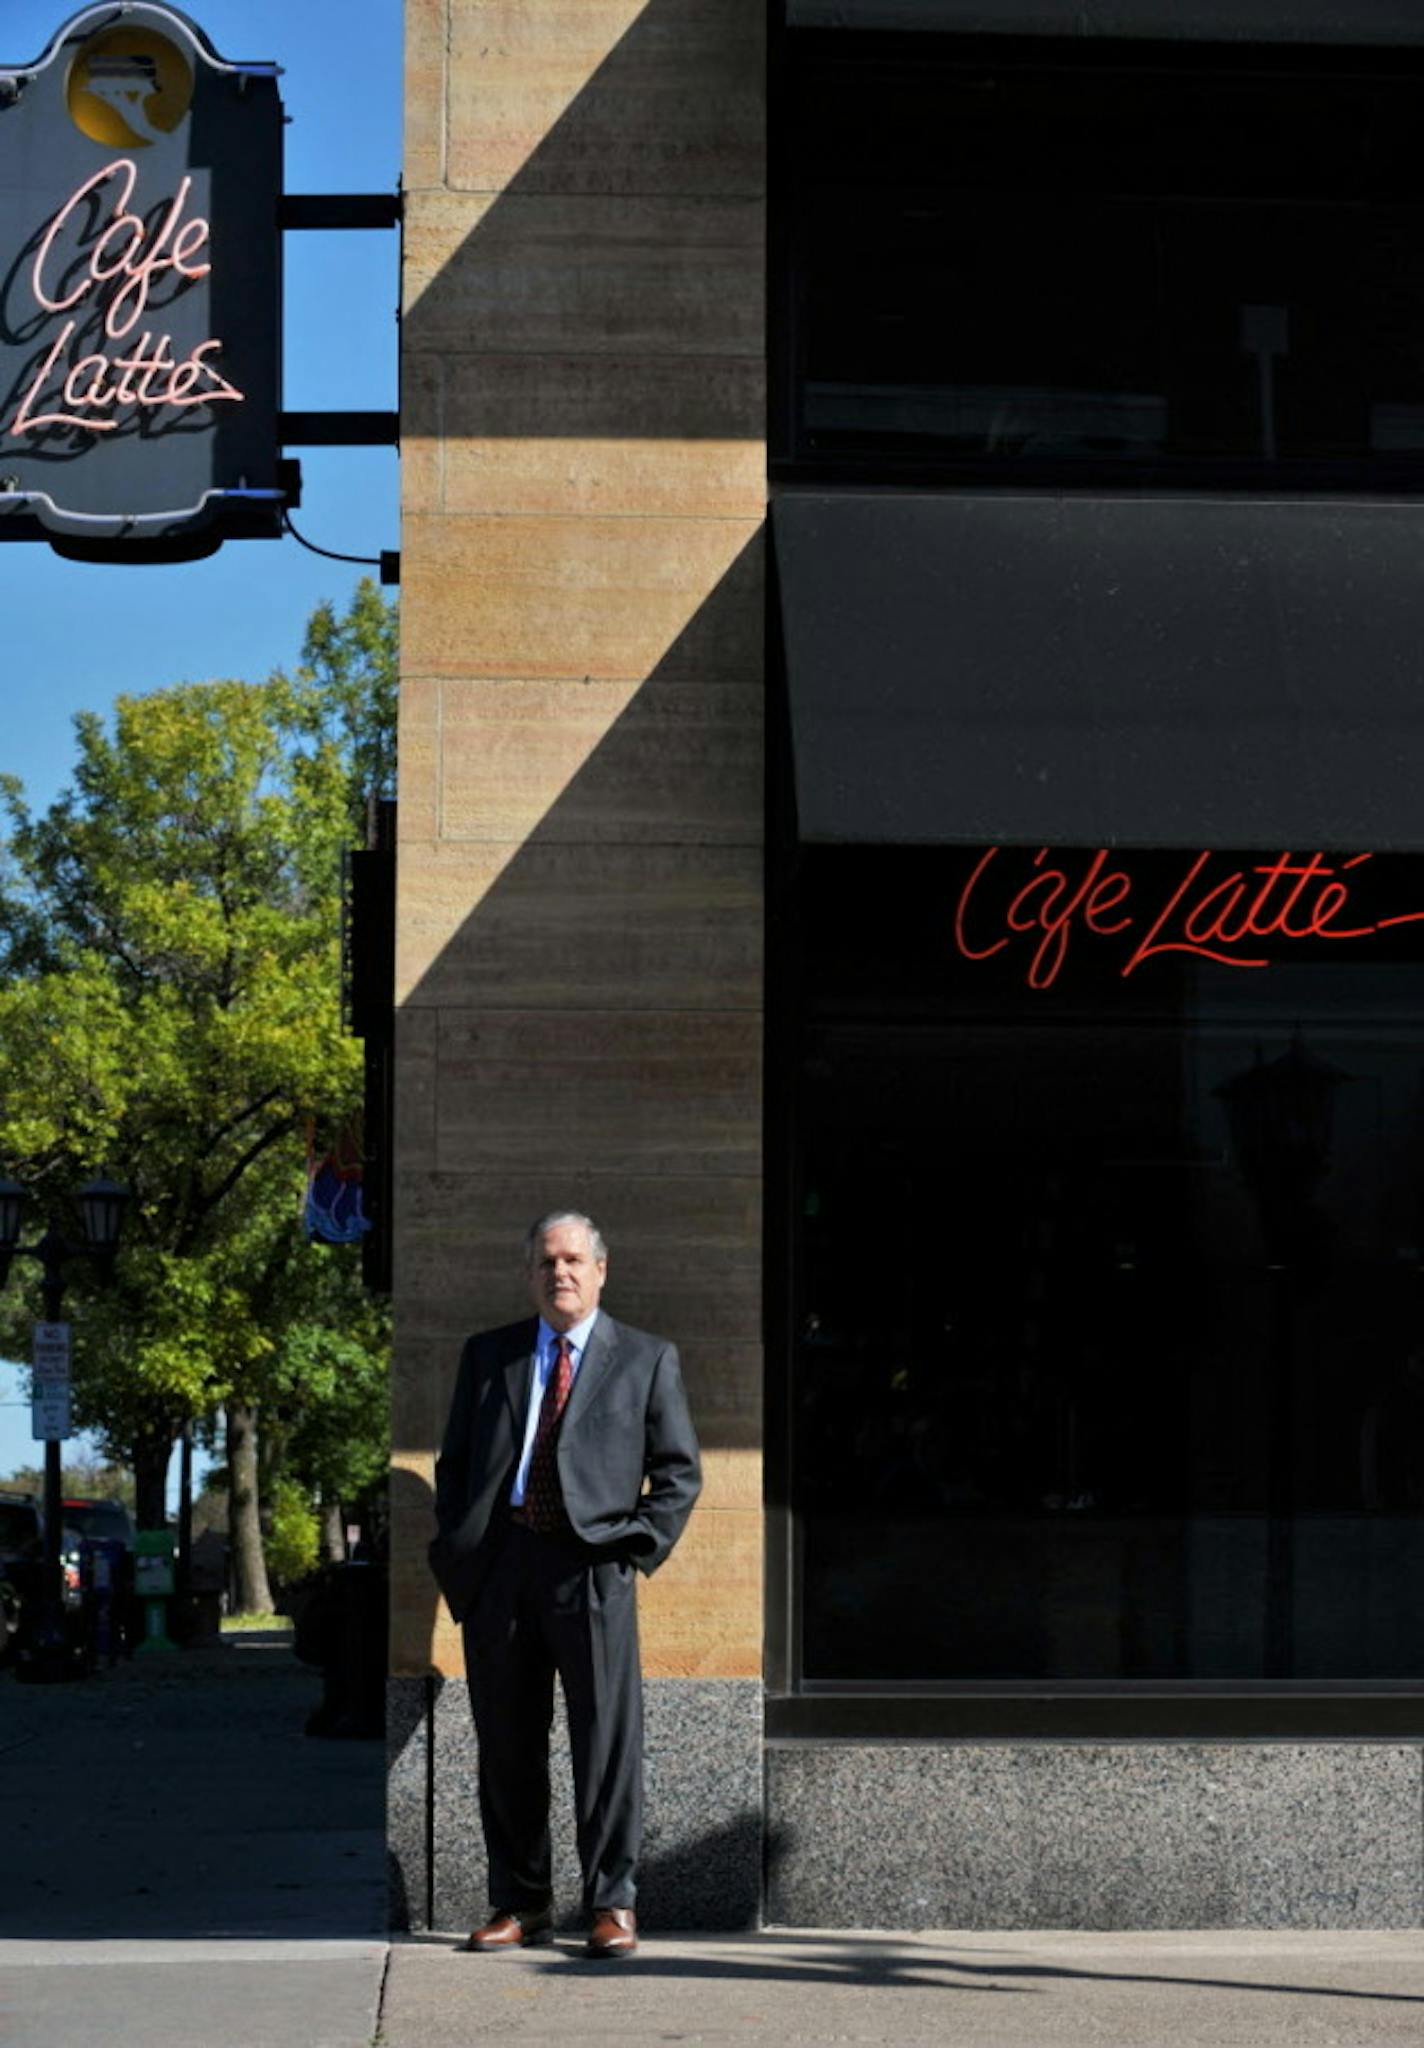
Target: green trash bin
153 1584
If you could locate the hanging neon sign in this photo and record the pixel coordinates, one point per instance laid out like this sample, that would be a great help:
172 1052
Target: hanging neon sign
1229 917
121 260
140 291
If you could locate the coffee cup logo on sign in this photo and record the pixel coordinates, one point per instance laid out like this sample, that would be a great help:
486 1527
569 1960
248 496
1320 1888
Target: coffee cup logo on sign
129 88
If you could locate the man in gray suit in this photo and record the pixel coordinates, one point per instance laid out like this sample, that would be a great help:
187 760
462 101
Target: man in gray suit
569 1460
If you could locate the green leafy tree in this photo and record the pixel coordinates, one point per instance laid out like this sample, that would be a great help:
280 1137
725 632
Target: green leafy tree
292 1542
169 1007
326 1400
350 669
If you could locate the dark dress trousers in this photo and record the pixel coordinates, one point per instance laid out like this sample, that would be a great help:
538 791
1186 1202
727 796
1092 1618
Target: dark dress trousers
534 1604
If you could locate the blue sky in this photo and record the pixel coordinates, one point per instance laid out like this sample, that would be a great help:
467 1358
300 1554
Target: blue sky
77 635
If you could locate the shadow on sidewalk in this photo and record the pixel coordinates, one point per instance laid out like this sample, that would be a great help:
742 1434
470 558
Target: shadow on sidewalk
178 1797
886 1961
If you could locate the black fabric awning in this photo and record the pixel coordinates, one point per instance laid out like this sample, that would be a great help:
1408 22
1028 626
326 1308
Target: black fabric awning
1221 21
1094 671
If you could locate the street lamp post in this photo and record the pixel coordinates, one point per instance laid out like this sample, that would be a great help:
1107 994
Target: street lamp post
101 1204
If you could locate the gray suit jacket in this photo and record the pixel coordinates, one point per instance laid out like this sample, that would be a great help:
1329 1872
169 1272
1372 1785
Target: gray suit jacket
627 1451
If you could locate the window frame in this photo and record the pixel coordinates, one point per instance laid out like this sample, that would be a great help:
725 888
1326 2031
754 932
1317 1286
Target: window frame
798 1708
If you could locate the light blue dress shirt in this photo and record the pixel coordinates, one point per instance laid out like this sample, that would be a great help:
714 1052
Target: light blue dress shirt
546 1352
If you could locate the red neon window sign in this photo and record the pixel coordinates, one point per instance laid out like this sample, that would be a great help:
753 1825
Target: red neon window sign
1241 916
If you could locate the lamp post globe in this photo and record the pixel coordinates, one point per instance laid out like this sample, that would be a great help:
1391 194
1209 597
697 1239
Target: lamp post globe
103 1203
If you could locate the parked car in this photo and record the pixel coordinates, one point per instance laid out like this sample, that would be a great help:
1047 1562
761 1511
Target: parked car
91 1521
100 1521
20 1526
21 1549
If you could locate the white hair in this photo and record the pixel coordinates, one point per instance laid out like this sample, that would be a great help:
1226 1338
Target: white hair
552 1221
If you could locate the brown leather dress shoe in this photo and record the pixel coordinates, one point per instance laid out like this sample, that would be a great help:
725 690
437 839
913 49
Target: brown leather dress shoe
614 1933
513 1930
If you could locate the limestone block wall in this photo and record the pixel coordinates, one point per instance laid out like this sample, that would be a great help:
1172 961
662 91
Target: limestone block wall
580 867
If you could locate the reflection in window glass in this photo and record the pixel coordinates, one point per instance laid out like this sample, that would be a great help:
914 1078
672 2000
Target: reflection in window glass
1187 262
1110 1292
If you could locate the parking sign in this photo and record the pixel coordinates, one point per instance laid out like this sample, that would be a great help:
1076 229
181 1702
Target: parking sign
49 1356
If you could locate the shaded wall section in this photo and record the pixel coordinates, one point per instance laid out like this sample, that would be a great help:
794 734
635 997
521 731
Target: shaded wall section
580 871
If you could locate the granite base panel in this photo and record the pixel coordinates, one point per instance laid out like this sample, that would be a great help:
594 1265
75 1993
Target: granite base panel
702 1834
408 1801
1126 1836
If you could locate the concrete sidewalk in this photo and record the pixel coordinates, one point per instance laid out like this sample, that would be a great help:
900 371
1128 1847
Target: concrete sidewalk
190 1994
184 1868
991 1990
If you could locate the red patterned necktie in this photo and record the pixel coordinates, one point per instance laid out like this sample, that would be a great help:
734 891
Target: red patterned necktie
543 1495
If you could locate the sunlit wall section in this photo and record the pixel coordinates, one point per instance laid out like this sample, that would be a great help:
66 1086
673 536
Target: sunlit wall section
580 909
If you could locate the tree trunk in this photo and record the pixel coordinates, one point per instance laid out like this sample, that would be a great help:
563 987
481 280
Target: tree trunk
333 1532
252 1593
149 1456
185 1508
271 1457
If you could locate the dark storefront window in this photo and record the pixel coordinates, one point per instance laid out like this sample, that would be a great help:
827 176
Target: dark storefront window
1039 262
1108 1292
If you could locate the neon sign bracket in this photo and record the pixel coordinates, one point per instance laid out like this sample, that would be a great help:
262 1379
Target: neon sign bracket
340 210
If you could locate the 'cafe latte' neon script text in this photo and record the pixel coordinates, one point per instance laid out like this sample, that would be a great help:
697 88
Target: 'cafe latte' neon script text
1230 916
99 257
